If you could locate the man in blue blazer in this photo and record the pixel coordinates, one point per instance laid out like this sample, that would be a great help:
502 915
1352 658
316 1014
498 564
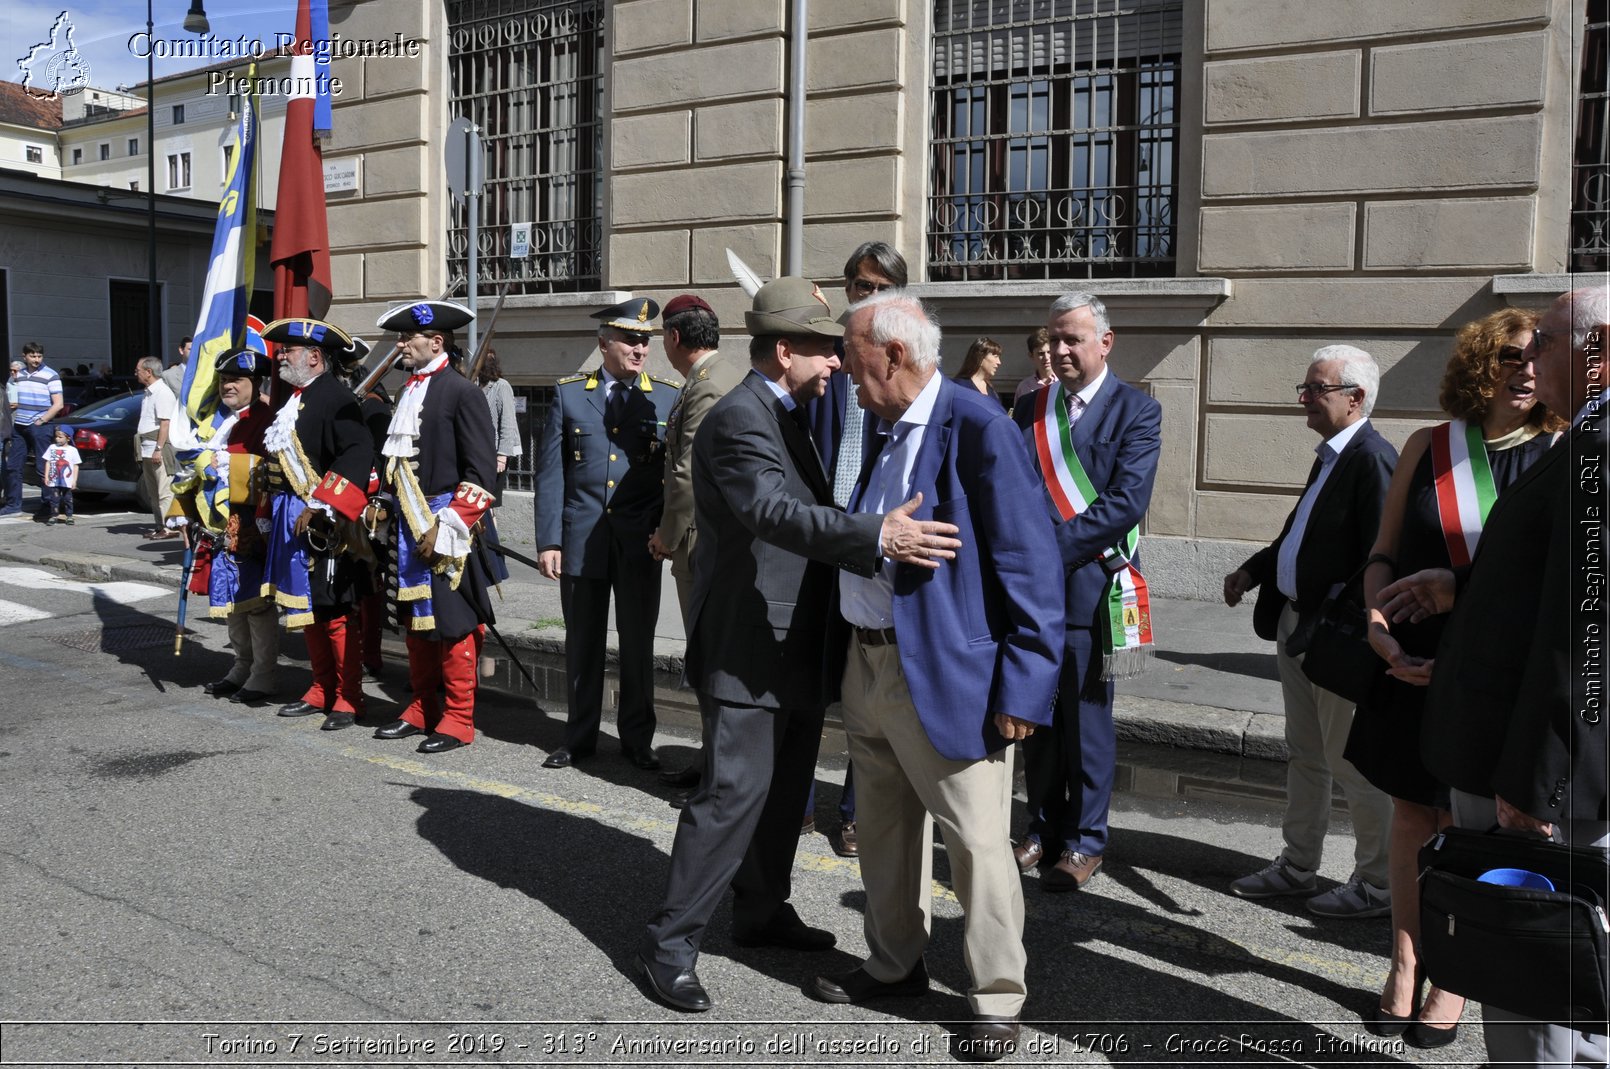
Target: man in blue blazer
945 668
1116 433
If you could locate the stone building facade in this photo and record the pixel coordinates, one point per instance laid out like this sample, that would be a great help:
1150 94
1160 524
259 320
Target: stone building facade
1242 181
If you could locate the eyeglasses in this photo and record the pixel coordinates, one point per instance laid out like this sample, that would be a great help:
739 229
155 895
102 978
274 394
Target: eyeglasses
863 288
1511 357
1541 337
1319 389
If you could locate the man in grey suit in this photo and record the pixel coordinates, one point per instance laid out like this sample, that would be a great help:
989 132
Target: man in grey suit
769 537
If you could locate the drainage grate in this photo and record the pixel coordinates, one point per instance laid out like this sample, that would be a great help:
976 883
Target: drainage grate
117 639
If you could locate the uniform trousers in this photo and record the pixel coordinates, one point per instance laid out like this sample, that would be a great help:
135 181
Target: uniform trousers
1512 1039
634 577
905 786
1317 724
740 828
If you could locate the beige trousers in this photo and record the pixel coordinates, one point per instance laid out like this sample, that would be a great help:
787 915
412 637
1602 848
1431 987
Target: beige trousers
255 637
1317 724
902 787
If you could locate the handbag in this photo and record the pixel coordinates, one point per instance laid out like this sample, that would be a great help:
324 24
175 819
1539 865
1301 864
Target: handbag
1338 655
1534 952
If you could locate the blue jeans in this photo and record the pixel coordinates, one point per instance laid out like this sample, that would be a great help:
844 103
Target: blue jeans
22 439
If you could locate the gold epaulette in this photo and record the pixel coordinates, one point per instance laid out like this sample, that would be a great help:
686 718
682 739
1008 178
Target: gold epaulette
666 382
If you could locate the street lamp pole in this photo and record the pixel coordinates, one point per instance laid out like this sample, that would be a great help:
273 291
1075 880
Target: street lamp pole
195 21
155 332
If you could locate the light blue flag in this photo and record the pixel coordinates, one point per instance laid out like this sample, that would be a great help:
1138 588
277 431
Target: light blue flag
221 326
319 14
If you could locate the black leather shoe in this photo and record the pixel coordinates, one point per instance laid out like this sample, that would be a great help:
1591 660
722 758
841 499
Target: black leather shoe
677 988
337 721
680 799
221 688
858 987
646 758
560 758
298 709
397 729
989 1039
683 778
790 934
439 743
247 696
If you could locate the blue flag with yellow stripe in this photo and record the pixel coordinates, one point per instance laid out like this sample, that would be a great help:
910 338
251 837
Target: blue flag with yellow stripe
221 326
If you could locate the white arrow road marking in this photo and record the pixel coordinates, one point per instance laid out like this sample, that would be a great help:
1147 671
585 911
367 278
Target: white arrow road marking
12 613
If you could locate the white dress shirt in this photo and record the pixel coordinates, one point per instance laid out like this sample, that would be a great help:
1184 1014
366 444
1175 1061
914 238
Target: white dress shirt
1286 563
869 601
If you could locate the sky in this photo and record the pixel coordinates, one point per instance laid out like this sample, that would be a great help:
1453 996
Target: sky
102 30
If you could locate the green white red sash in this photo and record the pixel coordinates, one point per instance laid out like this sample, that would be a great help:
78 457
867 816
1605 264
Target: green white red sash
1125 618
1464 485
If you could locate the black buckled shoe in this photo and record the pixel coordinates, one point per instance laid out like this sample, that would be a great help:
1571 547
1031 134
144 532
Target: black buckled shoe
439 743
397 729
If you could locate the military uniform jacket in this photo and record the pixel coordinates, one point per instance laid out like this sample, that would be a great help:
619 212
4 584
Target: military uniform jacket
594 480
456 457
332 438
709 380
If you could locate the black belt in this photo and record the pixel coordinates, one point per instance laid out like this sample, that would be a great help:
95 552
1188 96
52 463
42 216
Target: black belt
875 636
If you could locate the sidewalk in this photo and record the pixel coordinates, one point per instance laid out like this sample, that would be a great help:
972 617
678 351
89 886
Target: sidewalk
1212 685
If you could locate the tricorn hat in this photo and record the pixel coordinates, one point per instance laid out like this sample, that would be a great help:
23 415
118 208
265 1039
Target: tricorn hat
635 315
315 332
425 315
243 362
793 307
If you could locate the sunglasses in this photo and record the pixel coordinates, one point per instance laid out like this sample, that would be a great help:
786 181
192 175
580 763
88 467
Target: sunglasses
863 288
1512 357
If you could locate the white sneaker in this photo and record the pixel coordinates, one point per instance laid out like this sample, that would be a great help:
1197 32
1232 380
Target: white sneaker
1355 899
1281 877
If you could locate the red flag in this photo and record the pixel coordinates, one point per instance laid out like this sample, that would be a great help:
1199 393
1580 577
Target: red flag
301 250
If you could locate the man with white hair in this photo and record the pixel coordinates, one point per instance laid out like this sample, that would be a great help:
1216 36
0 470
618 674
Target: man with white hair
944 670
1325 540
1513 722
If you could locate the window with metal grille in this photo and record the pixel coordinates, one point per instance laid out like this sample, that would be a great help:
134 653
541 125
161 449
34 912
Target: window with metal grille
1590 171
529 418
1054 144
529 73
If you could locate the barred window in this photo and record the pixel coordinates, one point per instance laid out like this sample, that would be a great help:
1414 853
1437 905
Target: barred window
1053 149
529 73
1590 172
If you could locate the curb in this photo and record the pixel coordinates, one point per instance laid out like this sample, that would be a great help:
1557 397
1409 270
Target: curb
1180 725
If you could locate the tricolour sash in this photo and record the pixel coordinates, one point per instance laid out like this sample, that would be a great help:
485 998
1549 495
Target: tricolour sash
1125 619
1464 485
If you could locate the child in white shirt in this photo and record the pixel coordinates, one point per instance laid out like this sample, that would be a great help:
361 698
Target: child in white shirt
61 462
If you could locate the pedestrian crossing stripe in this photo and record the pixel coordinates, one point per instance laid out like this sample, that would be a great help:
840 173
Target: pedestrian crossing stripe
120 593
13 613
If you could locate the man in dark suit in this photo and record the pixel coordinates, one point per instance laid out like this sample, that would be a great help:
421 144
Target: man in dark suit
945 669
769 537
1115 432
1326 538
600 487
1514 717
843 435
692 334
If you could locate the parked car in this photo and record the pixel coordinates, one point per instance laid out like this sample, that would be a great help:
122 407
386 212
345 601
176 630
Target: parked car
104 433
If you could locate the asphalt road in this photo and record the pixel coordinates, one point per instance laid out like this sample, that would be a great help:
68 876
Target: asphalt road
190 881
